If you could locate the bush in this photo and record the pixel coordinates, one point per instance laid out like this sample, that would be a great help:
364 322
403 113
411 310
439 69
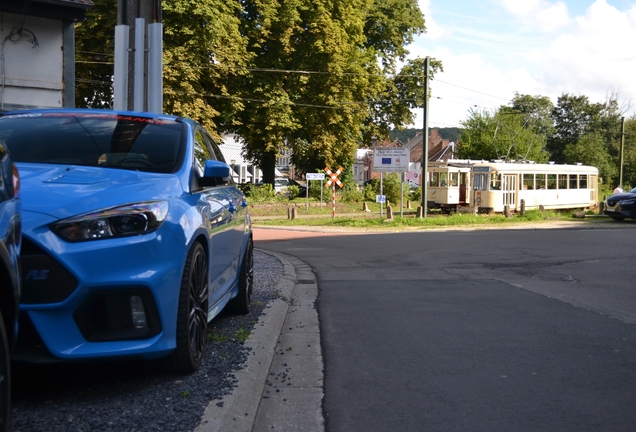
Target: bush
351 193
371 189
262 193
416 195
292 192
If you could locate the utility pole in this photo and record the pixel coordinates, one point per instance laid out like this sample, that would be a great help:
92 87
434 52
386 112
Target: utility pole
620 177
138 68
424 175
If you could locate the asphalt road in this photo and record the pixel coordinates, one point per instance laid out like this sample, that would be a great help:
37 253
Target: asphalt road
488 330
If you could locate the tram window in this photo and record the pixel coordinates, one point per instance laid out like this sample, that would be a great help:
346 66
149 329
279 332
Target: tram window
480 182
528 181
582 181
574 184
552 181
434 179
495 181
452 179
443 178
540 181
563 181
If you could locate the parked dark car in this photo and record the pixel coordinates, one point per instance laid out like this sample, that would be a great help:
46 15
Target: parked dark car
282 184
10 231
621 206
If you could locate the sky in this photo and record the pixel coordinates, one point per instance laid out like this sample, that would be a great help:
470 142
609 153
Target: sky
491 49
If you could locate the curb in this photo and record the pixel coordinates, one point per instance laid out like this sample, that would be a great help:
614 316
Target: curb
250 407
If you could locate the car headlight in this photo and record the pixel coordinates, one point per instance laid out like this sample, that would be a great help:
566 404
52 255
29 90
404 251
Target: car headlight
132 219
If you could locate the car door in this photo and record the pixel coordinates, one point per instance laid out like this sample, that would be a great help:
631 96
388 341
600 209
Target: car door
235 202
215 206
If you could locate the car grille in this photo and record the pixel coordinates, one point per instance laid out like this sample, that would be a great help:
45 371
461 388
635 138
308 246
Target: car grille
44 279
612 202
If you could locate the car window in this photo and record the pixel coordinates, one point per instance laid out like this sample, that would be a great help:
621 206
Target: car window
215 148
106 140
202 152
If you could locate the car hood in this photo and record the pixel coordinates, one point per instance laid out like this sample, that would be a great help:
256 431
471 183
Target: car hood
613 199
62 191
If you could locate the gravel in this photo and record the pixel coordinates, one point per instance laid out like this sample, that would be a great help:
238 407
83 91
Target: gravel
140 395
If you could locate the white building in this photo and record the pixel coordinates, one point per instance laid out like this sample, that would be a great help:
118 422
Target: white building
242 170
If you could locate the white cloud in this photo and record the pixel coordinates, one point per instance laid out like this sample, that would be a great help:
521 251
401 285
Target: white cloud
539 15
467 82
593 56
433 30
485 64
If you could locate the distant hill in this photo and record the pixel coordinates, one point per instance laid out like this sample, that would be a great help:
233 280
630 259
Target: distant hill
451 134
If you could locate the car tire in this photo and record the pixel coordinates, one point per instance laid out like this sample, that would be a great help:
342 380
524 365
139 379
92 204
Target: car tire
192 316
241 303
5 378
617 218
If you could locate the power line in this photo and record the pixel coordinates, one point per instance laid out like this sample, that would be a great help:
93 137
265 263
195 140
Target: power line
475 91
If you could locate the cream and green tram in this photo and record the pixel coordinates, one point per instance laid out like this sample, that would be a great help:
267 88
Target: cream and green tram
448 184
499 184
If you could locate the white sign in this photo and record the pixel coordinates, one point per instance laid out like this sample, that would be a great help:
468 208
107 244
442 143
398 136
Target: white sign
391 159
315 176
380 198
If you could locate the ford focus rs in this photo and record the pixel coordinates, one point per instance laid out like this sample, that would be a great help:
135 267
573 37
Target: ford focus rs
134 235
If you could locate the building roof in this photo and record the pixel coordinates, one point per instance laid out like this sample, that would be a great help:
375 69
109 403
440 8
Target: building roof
64 10
232 150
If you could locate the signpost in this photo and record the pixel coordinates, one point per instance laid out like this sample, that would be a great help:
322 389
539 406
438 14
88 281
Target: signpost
390 159
333 181
309 177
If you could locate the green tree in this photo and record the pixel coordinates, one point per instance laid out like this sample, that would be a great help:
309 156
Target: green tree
590 149
502 135
629 157
350 48
94 56
238 66
576 116
537 110
203 49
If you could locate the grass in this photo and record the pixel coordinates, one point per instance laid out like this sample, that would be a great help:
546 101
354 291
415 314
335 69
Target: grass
350 215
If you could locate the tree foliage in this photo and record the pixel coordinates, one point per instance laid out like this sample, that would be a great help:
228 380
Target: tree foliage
504 135
94 48
317 76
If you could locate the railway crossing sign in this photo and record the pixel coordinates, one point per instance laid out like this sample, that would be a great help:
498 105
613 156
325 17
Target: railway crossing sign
333 181
333 177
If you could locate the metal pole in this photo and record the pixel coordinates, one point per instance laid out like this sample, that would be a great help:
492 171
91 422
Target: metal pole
333 200
381 193
402 197
120 78
155 68
620 178
425 138
140 60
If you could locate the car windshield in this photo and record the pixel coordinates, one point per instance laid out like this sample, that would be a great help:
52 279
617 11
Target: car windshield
102 139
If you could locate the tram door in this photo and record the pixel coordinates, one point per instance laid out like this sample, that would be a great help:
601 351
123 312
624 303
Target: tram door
509 188
463 180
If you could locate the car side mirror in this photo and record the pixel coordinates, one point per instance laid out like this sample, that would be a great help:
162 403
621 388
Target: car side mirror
216 173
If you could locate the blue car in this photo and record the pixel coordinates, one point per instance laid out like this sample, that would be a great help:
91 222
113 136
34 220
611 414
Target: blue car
10 232
134 235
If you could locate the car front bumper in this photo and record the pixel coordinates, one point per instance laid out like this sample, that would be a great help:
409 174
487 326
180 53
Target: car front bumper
100 298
